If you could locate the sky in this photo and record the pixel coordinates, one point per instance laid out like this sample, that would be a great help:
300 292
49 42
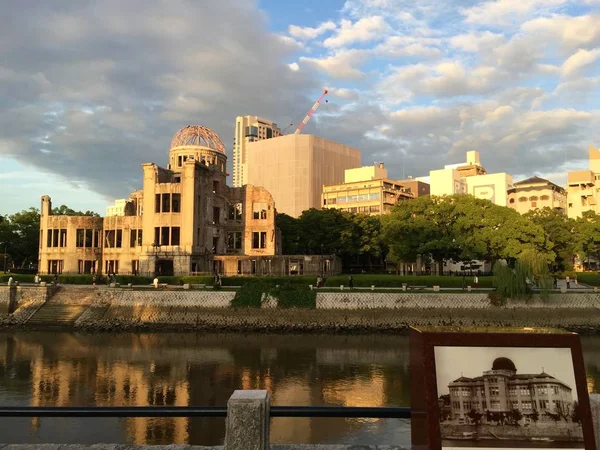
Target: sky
90 90
473 361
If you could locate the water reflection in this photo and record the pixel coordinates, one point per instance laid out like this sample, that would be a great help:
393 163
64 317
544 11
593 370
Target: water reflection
64 369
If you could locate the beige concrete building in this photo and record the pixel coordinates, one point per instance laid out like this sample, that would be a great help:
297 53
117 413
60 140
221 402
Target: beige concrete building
367 190
294 169
184 220
248 129
537 193
471 178
583 187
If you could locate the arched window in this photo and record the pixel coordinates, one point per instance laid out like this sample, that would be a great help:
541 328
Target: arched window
533 198
522 199
512 200
544 197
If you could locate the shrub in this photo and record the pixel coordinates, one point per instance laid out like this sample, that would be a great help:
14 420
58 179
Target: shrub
133 279
593 279
250 294
444 281
170 280
207 280
295 296
271 281
496 299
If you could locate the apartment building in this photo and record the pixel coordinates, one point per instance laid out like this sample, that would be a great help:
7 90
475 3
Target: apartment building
367 190
583 187
248 129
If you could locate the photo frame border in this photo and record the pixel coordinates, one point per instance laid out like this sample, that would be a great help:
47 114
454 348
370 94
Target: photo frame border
425 426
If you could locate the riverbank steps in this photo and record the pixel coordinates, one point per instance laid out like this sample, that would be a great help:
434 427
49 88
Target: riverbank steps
115 309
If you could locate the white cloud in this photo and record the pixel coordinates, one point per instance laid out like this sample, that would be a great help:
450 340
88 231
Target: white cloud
506 12
344 93
570 32
364 30
305 33
400 46
579 60
343 64
475 42
294 67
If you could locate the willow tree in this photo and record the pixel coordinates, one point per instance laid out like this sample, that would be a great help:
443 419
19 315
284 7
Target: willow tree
530 268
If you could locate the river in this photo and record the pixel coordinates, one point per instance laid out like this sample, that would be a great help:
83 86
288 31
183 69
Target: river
69 369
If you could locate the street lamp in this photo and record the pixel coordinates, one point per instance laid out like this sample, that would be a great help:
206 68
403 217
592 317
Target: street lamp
322 263
156 248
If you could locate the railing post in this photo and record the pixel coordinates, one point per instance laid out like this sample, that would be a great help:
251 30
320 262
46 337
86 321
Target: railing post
595 407
247 426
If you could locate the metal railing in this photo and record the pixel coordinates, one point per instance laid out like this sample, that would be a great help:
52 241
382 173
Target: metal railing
202 411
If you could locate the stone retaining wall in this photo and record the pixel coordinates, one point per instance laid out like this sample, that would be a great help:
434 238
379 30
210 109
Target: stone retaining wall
122 308
5 297
392 300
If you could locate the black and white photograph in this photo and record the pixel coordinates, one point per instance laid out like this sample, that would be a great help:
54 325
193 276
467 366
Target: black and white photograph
507 397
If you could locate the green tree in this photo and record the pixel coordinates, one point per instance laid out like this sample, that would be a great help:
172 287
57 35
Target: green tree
423 226
588 235
561 231
290 233
64 210
21 237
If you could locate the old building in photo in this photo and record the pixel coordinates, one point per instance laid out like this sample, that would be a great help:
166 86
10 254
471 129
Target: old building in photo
501 390
184 220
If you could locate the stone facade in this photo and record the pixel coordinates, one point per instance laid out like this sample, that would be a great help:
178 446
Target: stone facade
183 217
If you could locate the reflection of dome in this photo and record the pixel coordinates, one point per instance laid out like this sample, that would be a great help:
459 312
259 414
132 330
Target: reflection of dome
504 364
197 135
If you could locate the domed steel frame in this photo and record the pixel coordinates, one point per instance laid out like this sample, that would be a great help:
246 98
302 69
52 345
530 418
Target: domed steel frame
197 135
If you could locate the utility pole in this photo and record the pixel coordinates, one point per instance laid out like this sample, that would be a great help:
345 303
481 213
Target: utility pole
5 247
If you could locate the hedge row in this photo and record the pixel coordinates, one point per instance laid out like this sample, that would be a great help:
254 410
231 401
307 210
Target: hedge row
288 295
411 280
591 279
75 279
361 280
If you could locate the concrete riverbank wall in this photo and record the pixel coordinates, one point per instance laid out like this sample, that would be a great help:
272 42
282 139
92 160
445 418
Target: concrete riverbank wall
100 308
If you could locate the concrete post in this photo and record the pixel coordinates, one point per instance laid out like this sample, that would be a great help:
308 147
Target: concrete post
595 407
247 426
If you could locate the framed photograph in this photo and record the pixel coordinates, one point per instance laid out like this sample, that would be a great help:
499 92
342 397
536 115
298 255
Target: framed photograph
514 388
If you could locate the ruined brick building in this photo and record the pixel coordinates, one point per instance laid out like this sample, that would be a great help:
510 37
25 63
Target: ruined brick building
184 220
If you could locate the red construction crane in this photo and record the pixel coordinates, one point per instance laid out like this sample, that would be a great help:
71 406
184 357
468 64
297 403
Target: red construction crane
311 111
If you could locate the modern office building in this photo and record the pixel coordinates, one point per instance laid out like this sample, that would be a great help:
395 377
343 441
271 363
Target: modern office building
583 187
502 390
367 190
294 169
537 193
119 208
471 178
248 129
184 220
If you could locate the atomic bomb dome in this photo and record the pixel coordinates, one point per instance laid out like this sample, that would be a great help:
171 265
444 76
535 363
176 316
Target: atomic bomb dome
503 363
197 135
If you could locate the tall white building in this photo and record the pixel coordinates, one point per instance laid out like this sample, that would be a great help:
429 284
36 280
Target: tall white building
248 129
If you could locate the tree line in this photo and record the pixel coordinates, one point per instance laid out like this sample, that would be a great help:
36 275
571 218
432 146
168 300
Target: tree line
20 235
461 228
